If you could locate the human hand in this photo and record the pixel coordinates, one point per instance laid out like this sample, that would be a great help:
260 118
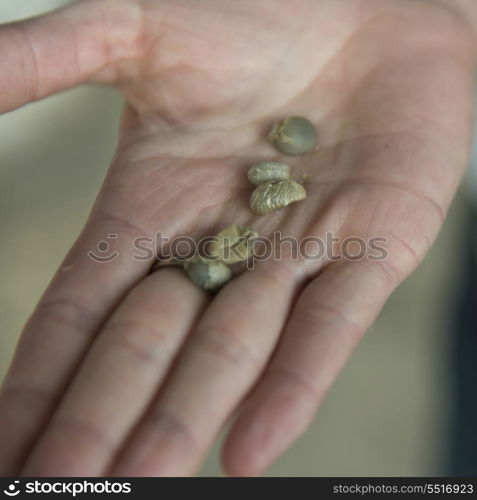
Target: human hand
122 374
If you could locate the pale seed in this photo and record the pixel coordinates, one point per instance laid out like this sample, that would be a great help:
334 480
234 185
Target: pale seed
268 171
272 196
233 244
207 274
294 135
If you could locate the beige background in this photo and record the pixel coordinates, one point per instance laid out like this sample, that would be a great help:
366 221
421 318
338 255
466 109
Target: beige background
387 413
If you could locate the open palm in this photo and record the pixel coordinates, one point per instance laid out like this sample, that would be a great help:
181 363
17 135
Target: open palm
122 374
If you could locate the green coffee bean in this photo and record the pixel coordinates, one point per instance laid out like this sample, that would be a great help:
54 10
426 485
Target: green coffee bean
268 197
268 171
207 274
294 136
233 244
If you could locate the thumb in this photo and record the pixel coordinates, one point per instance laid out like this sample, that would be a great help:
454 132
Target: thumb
66 47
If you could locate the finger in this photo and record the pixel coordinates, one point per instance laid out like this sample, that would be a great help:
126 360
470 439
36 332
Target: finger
327 322
224 356
79 299
119 377
58 50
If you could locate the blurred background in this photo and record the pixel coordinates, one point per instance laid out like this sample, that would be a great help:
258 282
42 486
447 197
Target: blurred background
393 411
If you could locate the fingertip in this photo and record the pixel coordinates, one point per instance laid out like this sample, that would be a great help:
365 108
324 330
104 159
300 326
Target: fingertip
246 450
276 415
237 461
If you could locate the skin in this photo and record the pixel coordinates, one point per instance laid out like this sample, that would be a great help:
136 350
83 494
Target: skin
119 374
